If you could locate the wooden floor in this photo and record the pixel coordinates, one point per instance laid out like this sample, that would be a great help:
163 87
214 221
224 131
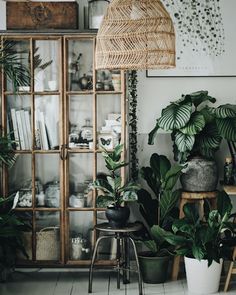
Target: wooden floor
74 282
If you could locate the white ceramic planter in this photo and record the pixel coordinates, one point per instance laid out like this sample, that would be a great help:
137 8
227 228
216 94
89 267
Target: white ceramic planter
202 279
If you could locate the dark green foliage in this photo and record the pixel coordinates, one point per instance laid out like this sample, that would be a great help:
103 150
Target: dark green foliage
114 192
160 208
196 129
7 155
193 237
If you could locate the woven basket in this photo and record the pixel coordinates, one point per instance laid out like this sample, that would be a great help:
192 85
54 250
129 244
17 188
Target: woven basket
48 244
136 34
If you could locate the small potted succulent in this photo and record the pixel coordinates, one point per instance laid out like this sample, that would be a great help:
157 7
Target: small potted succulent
158 208
197 131
203 244
112 191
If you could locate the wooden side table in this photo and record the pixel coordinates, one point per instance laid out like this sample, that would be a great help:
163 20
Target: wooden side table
198 198
122 235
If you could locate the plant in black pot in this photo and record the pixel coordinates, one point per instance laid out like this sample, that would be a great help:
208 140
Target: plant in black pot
112 191
158 208
203 244
197 131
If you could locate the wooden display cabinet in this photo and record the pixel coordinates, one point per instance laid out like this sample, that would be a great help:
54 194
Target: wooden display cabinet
59 122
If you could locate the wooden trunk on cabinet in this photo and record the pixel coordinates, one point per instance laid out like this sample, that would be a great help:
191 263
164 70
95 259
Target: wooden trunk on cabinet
57 154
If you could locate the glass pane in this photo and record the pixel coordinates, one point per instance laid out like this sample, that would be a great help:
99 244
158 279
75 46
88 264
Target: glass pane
47 236
107 247
81 177
47 183
47 122
26 217
81 116
19 121
102 173
22 49
20 180
108 121
46 65
108 80
80 65
81 235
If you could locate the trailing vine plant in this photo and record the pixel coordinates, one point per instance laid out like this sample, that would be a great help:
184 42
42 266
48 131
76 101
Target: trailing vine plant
133 138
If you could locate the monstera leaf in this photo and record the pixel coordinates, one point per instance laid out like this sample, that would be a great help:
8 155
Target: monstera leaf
175 116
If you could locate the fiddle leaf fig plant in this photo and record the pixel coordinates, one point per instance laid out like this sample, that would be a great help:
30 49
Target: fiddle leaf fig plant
160 206
111 187
196 128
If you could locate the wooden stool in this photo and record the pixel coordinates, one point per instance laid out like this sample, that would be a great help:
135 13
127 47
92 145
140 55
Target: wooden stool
232 270
192 197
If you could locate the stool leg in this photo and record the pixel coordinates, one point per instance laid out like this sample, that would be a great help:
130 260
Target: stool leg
230 271
126 271
118 259
175 269
93 261
138 268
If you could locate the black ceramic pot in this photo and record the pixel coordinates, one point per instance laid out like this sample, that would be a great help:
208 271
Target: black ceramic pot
117 216
201 175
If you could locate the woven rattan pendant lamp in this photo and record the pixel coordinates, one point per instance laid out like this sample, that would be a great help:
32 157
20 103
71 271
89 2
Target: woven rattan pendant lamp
136 34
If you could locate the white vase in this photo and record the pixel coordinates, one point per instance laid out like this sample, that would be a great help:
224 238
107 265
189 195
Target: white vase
202 279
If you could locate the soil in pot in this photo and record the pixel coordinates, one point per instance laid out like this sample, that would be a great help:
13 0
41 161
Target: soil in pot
117 216
154 269
201 175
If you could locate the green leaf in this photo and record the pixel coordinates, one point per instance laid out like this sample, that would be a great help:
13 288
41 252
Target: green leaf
191 213
160 165
222 112
198 252
152 134
184 142
151 245
194 125
200 96
180 225
103 201
208 138
148 207
171 238
130 196
152 180
168 201
103 185
227 128
175 116
172 176
224 204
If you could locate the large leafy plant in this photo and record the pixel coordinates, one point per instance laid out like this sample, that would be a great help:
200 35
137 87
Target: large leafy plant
113 191
160 206
195 238
196 128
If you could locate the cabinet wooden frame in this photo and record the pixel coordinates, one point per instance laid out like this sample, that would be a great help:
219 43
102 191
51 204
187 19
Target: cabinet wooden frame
64 151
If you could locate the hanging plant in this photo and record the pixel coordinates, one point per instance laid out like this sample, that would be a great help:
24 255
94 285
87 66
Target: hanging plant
133 138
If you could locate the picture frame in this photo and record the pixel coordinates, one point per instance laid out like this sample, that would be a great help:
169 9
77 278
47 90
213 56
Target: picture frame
106 141
190 63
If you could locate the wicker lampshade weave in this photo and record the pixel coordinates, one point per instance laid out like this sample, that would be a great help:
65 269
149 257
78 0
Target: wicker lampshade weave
136 34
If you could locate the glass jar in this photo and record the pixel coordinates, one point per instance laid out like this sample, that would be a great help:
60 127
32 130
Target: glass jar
228 171
52 194
96 10
77 201
86 132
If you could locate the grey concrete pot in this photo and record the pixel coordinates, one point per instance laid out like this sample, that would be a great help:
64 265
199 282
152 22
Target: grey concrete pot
201 175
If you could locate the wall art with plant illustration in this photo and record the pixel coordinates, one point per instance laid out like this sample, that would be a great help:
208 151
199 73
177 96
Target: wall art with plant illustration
205 45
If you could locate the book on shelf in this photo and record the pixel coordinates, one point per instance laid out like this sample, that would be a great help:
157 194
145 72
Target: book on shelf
20 130
41 131
15 129
28 127
38 142
22 114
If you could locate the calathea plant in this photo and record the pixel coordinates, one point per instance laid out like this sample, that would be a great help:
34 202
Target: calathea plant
196 128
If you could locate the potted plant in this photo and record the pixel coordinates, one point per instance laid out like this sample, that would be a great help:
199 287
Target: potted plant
197 131
202 243
112 191
160 209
